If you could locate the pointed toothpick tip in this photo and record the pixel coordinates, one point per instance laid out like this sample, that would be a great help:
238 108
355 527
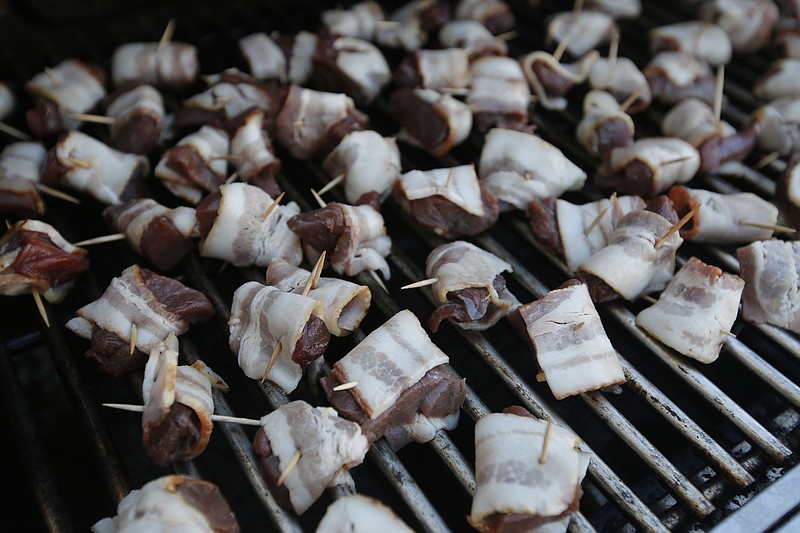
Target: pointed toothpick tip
14 132
766 160
378 280
719 85
216 418
274 357
274 204
346 386
596 221
313 278
774 227
546 443
134 335
37 298
420 283
331 184
166 37
101 240
677 226
318 198
630 101
289 467
97 119
55 193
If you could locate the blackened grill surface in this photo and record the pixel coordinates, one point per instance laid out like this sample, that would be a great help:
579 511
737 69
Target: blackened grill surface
683 446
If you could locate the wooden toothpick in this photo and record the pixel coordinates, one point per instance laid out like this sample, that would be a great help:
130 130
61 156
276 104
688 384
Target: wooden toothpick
273 205
313 278
318 198
14 132
596 221
215 418
40 306
52 76
545 443
677 226
507 36
289 467
378 280
331 184
134 335
420 283
233 177
562 46
676 160
97 119
727 333
630 101
450 176
346 386
166 37
100 240
275 353
613 50
57 194
774 227
766 160
719 84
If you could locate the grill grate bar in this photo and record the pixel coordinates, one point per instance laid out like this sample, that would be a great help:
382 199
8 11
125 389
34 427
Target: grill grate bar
768 373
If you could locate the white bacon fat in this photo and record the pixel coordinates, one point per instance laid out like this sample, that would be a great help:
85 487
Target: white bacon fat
263 316
584 31
364 64
141 100
344 303
571 345
211 146
358 21
694 121
388 361
71 86
97 169
631 264
402 28
328 446
599 107
456 113
369 243
136 217
498 87
701 39
510 476
243 236
172 64
518 167
696 311
447 68
22 161
232 98
472 35
772 285
462 265
251 147
368 162
777 125
576 73
669 159
360 514
459 185
264 57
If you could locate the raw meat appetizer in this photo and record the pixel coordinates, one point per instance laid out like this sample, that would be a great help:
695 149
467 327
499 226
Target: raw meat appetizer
551 80
470 288
676 76
430 120
321 446
604 125
496 15
367 161
434 69
276 334
622 79
499 94
138 114
448 201
583 31
700 39
20 171
398 386
253 156
360 514
696 311
35 257
351 66
173 64
141 305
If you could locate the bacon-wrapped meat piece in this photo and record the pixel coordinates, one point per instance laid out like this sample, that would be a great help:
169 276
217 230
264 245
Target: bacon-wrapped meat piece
700 39
434 69
777 125
368 161
264 57
604 125
571 345
402 390
138 114
448 201
354 237
470 288
551 79
496 15
786 42
499 94
314 122
237 225
253 155
328 446
262 318
771 283
176 422
34 256
696 311
574 232
360 514
518 167
619 9
623 80
749 23
717 142
59 92
724 218
473 36
676 76
156 305
195 504
781 80
649 166
430 120
584 31
87 165
409 25
196 165
360 20
515 440
351 66
632 265
20 170
344 304
173 64
161 234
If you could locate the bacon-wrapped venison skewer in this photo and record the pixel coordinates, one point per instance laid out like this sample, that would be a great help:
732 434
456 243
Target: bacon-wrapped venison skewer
243 225
574 232
499 94
430 120
696 311
540 451
170 64
582 31
264 57
470 288
20 171
434 69
551 80
354 237
360 20
344 303
777 125
139 308
496 15
749 23
35 257
724 218
473 36
253 156
449 201
138 114
351 66
394 385
276 334
360 514
367 161
161 234
676 76
518 167
780 81
71 87
605 125
700 39
164 502
621 78
303 450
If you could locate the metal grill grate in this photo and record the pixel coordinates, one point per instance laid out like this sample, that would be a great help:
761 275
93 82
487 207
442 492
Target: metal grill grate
683 446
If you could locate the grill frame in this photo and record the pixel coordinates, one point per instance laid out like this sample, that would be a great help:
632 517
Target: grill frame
395 476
